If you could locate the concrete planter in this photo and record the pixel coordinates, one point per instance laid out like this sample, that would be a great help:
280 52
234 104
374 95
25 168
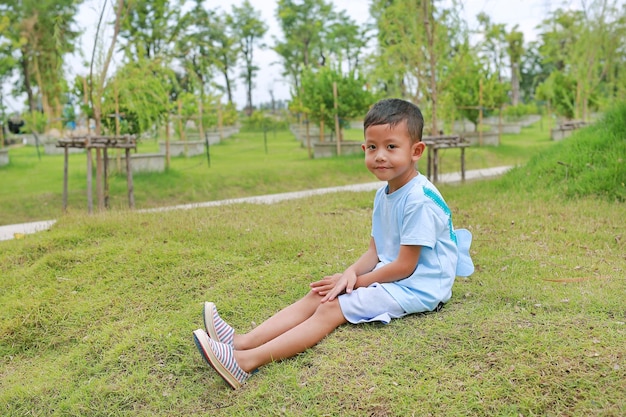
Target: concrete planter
507 128
140 162
184 148
329 149
489 138
558 134
4 157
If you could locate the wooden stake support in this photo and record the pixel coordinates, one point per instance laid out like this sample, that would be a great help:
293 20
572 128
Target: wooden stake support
101 144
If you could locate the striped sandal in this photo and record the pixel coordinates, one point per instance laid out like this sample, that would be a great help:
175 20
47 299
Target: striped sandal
222 358
217 328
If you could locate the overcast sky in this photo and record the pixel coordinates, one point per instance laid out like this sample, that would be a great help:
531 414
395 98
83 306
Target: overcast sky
525 13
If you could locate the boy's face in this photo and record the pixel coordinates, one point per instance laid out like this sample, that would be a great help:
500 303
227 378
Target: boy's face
390 155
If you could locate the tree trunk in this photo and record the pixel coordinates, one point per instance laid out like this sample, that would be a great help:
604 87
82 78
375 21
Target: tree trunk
96 102
27 84
514 83
429 27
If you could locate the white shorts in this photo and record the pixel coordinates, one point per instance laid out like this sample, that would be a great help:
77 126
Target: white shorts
367 304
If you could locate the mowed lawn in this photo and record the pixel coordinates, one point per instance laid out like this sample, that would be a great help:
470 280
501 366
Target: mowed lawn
98 312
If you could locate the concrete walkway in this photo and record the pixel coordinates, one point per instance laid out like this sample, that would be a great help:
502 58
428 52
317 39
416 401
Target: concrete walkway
19 230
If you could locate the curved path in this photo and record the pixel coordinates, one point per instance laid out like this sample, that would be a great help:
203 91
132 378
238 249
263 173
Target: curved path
19 230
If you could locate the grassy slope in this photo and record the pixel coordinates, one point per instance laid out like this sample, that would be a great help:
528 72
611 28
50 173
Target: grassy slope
98 312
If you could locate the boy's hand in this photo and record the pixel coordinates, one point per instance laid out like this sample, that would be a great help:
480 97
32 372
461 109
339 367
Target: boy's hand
331 286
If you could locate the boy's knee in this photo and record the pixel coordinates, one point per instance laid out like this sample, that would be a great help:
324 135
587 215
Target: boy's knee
330 309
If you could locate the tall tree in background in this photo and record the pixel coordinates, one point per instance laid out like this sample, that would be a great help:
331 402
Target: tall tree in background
249 29
151 28
224 49
515 50
493 44
193 49
8 63
581 47
304 25
96 84
347 41
416 41
41 33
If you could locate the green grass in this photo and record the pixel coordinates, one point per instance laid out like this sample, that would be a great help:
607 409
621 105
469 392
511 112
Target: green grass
32 188
98 312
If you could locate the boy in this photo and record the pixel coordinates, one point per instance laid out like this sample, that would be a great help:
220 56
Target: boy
413 257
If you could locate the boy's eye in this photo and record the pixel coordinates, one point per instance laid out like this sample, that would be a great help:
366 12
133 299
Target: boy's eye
391 146
371 147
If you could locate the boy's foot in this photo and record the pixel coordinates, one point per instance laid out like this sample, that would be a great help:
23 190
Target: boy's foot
217 328
222 358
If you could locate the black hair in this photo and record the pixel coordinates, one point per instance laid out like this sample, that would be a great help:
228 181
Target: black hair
392 111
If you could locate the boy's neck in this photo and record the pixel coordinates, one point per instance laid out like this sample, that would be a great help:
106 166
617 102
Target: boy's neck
396 186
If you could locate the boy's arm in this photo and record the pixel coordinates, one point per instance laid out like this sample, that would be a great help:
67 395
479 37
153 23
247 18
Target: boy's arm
366 262
402 267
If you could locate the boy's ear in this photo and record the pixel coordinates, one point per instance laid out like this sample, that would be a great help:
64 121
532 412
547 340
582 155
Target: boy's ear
418 149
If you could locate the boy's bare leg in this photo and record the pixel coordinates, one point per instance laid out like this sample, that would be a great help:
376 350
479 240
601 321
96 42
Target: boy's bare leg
279 323
325 319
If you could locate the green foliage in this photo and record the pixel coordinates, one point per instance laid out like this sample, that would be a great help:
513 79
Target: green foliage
262 120
249 29
590 163
149 28
34 122
466 89
37 34
143 88
560 90
520 110
316 99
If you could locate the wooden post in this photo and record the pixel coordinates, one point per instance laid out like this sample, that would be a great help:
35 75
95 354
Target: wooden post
220 122
480 112
308 136
106 177
65 170
322 123
86 103
167 142
500 125
181 133
200 126
99 183
89 178
337 132
117 126
129 180
463 163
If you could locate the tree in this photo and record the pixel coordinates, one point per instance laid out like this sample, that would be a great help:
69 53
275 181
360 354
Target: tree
475 84
584 46
304 27
416 42
316 98
96 82
40 31
515 50
249 29
223 50
346 41
150 28
140 90
193 49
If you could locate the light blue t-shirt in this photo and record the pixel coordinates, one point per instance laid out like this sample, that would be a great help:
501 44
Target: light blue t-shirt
416 214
